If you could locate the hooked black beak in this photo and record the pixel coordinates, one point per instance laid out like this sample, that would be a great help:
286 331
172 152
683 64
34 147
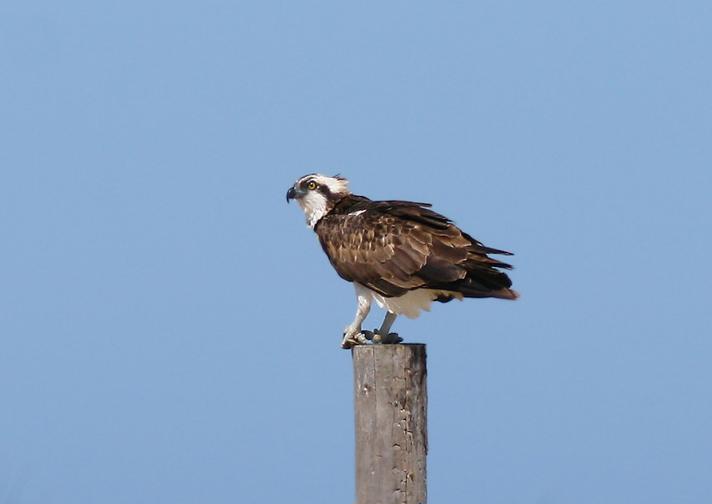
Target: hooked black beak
291 194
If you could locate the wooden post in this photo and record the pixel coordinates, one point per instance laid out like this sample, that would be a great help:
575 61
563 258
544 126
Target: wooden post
390 397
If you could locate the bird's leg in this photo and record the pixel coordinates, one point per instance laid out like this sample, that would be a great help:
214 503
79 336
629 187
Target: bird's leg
352 333
383 335
387 323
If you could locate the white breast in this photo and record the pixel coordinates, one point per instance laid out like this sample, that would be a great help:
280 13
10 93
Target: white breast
410 304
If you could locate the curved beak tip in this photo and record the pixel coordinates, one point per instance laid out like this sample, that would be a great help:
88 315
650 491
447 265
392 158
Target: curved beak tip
291 193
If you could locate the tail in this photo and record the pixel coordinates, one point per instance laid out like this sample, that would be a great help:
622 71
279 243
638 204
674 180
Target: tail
480 292
482 281
510 294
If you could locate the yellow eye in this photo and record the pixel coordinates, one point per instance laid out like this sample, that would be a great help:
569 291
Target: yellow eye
311 185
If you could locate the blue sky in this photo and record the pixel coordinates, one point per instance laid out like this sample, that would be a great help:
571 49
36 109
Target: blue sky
170 328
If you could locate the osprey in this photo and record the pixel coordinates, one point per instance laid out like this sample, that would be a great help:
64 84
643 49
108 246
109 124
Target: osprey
399 253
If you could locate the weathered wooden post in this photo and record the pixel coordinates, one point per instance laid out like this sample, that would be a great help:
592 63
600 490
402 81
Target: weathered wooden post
390 397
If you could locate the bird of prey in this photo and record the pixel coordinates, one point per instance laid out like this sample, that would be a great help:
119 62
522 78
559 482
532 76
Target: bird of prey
401 254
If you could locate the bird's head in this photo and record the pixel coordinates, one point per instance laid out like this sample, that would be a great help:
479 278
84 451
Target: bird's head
317 194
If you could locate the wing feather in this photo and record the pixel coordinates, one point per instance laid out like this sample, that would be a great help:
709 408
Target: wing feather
395 246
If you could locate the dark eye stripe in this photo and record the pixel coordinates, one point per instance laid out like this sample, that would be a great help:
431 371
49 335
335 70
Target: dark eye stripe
324 189
321 188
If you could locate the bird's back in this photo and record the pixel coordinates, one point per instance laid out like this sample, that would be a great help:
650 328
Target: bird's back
396 246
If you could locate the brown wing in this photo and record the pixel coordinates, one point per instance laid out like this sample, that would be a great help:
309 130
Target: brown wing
395 246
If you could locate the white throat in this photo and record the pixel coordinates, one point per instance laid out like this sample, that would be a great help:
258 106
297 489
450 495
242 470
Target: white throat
314 207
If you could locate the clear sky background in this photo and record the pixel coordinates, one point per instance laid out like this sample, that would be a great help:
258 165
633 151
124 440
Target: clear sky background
169 328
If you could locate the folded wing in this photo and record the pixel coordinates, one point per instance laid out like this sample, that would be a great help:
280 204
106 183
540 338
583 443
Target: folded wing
393 247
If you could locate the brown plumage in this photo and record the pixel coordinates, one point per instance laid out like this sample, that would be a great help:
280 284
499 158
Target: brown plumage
400 254
393 247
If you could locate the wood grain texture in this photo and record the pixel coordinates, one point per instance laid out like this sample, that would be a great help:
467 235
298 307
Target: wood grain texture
390 396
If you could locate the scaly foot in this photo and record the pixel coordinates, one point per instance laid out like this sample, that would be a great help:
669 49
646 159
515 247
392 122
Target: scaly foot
352 338
386 339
